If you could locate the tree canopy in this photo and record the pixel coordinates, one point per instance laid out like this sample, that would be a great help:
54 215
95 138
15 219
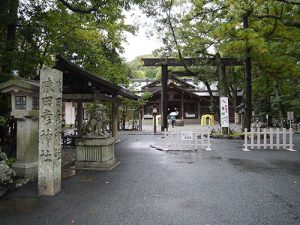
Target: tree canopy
263 34
88 32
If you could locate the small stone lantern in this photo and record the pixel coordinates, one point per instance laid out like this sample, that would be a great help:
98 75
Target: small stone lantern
25 109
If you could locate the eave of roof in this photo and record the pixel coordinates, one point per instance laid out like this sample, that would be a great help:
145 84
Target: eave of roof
170 78
174 87
64 65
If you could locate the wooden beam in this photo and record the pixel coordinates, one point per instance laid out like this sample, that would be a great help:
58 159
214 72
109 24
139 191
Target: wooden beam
189 61
98 97
78 97
182 74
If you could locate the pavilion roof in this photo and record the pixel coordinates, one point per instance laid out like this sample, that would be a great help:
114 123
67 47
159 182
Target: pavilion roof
78 80
171 77
173 87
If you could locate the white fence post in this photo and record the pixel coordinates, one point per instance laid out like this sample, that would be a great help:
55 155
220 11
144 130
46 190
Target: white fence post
277 138
291 145
208 142
280 142
258 138
246 141
271 138
284 138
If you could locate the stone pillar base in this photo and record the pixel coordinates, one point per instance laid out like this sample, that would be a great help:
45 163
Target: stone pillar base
95 153
27 170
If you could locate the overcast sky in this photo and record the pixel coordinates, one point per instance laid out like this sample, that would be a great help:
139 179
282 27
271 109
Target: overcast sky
139 44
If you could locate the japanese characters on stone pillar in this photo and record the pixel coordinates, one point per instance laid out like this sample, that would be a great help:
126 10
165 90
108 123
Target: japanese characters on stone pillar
49 173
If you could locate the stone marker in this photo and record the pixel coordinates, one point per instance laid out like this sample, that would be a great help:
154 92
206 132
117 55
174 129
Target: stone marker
49 173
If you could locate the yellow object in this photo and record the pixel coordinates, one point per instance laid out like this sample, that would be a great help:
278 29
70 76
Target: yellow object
207 119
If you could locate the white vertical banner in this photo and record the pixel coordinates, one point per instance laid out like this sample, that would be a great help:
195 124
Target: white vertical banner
224 111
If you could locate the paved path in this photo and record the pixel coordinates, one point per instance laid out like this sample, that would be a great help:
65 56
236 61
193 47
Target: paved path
223 186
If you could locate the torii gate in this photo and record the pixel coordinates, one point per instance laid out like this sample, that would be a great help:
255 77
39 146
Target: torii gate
164 63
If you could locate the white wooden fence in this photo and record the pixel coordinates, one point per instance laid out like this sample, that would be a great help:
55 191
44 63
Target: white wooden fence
269 138
188 139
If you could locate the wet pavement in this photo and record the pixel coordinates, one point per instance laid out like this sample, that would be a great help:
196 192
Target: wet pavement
222 186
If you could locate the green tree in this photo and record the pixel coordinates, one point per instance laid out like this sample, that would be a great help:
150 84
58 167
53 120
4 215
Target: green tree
255 32
139 71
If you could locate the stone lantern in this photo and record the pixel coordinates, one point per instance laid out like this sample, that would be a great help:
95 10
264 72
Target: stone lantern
25 109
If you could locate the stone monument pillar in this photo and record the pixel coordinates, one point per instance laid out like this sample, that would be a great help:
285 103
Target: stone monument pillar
49 173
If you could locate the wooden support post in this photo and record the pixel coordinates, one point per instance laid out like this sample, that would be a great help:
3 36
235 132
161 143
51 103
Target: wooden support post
222 85
164 97
141 116
199 111
79 117
182 107
115 117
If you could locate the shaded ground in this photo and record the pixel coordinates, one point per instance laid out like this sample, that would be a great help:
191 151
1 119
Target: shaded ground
222 186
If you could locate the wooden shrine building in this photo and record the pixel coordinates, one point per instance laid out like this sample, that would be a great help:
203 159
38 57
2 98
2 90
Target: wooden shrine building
184 98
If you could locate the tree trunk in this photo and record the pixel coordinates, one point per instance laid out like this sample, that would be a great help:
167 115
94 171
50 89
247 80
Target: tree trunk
9 9
222 85
278 95
248 106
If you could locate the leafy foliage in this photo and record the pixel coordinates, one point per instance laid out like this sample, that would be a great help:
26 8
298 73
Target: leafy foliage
139 71
201 28
91 30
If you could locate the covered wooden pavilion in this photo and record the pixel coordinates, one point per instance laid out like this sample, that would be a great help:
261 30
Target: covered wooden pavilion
80 85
